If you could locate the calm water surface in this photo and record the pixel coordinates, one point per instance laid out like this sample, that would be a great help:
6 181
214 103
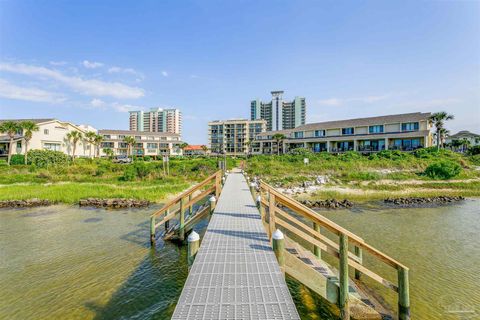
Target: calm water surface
63 262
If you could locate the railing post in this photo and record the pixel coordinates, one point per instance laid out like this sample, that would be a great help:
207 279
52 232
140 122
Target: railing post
316 250
193 244
167 223
359 254
152 231
213 202
271 213
403 294
190 207
181 231
278 244
252 189
343 275
217 184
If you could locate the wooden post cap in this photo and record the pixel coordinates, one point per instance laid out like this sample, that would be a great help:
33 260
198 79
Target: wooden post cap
277 235
193 236
212 199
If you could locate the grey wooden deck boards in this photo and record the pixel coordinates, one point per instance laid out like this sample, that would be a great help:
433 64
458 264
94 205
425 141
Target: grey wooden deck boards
235 274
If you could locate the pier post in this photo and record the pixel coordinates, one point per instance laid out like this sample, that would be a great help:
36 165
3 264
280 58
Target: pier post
359 254
213 202
190 207
316 250
258 202
252 189
278 243
403 295
193 243
343 274
332 289
152 231
181 230
260 206
167 223
271 213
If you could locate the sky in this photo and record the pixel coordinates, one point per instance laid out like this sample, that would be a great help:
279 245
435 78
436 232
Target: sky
90 62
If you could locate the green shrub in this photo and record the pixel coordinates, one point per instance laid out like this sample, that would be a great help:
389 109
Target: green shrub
349 156
301 152
17 159
3 163
475 150
392 154
147 158
45 158
130 173
443 170
475 159
136 170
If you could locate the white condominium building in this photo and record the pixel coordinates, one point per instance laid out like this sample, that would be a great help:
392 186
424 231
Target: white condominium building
157 120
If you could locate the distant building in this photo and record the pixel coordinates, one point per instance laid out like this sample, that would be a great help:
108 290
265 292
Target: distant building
157 120
405 132
470 136
194 150
233 137
52 135
147 143
279 114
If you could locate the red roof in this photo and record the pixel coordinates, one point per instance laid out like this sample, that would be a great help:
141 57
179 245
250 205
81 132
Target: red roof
193 147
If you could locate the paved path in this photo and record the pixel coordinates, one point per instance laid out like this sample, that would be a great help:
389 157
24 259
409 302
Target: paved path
235 274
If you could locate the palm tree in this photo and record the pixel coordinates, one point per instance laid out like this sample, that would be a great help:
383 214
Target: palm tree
465 144
73 137
28 128
248 144
90 137
444 133
130 141
204 148
108 152
10 128
183 146
278 137
97 141
438 119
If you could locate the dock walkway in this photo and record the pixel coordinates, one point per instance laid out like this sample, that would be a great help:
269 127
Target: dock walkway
235 274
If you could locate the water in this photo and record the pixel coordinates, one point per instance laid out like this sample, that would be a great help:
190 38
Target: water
64 262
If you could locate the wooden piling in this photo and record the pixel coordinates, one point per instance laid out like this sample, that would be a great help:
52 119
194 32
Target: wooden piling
403 295
193 243
343 275
359 254
181 231
167 223
316 250
278 244
152 231
213 203
271 213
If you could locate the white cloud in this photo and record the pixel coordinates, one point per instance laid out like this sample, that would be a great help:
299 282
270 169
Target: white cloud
85 86
164 73
126 71
58 63
91 64
125 107
11 91
97 103
342 101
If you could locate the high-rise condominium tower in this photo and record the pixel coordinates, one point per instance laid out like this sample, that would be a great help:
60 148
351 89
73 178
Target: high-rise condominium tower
279 114
156 120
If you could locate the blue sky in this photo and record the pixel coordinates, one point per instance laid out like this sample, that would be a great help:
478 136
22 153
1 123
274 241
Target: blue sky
92 61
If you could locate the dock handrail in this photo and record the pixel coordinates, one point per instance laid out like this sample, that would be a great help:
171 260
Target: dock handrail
183 202
274 201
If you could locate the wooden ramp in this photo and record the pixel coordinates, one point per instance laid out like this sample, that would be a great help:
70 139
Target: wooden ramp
235 274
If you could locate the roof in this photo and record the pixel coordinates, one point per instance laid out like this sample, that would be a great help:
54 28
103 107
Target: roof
33 120
193 147
138 133
358 122
464 133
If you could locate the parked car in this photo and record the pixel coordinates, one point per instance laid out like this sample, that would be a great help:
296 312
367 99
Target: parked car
122 159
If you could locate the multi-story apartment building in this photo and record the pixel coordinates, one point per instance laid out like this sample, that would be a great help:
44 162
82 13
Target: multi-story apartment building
405 132
279 114
233 137
146 143
156 120
52 135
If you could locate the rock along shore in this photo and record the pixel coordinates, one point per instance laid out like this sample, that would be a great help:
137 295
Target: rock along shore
24 203
330 204
422 201
113 203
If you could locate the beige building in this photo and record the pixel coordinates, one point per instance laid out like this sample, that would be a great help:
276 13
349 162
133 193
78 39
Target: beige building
152 144
404 132
233 137
156 120
52 135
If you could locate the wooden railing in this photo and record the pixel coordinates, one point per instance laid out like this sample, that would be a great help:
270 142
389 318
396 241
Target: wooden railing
182 205
274 203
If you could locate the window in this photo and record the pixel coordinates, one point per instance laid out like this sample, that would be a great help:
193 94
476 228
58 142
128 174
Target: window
121 137
45 131
51 146
107 145
152 145
319 133
375 129
347 131
19 145
138 145
298 134
410 126
122 145
106 136
138 138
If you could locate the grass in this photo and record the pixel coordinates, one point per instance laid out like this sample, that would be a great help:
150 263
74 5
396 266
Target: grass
100 178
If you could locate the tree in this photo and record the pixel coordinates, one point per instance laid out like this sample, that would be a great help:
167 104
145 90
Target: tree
248 144
183 145
108 152
73 137
97 141
28 128
204 148
10 128
130 141
278 137
90 137
465 143
438 119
